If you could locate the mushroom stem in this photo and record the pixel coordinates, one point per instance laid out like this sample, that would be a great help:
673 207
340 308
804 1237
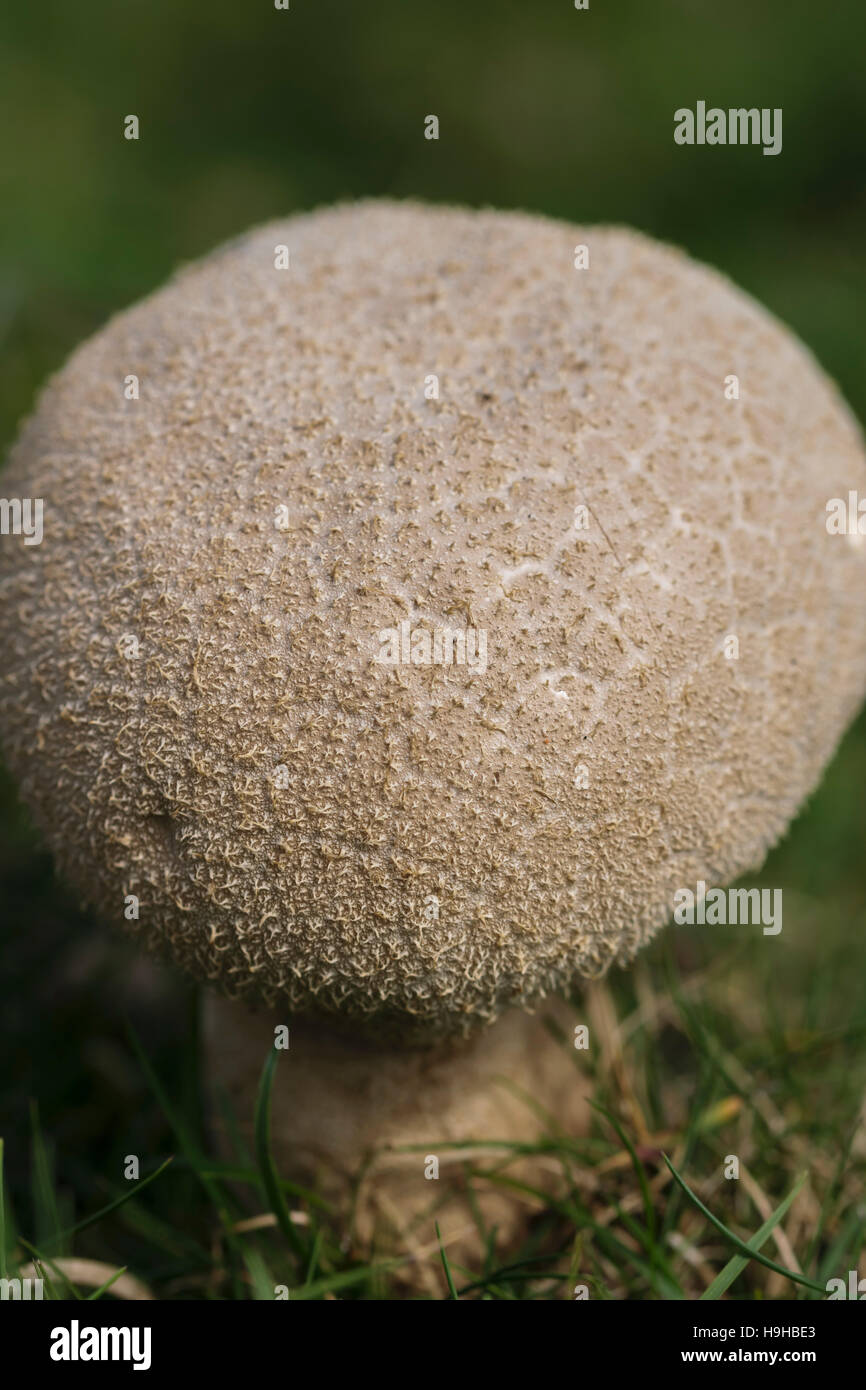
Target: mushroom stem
374 1126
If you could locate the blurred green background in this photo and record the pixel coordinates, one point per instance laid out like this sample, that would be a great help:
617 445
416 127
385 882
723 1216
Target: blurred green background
248 113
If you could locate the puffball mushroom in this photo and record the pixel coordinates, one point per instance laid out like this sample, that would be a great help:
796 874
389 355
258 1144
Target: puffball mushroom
572 447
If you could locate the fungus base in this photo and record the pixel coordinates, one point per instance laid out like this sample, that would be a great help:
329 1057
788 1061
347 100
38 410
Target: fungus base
346 1109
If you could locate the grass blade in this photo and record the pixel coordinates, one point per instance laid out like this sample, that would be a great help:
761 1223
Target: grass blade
62 1236
640 1171
44 1198
735 1239
445 1265
97 1293
2 1218
270 1181
735 1266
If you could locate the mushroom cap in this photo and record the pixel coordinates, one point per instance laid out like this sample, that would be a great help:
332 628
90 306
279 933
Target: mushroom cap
193 697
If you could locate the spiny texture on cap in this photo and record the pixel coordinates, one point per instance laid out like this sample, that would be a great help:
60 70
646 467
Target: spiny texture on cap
429 852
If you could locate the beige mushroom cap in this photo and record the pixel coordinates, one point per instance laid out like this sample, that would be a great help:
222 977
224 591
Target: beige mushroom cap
427 843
